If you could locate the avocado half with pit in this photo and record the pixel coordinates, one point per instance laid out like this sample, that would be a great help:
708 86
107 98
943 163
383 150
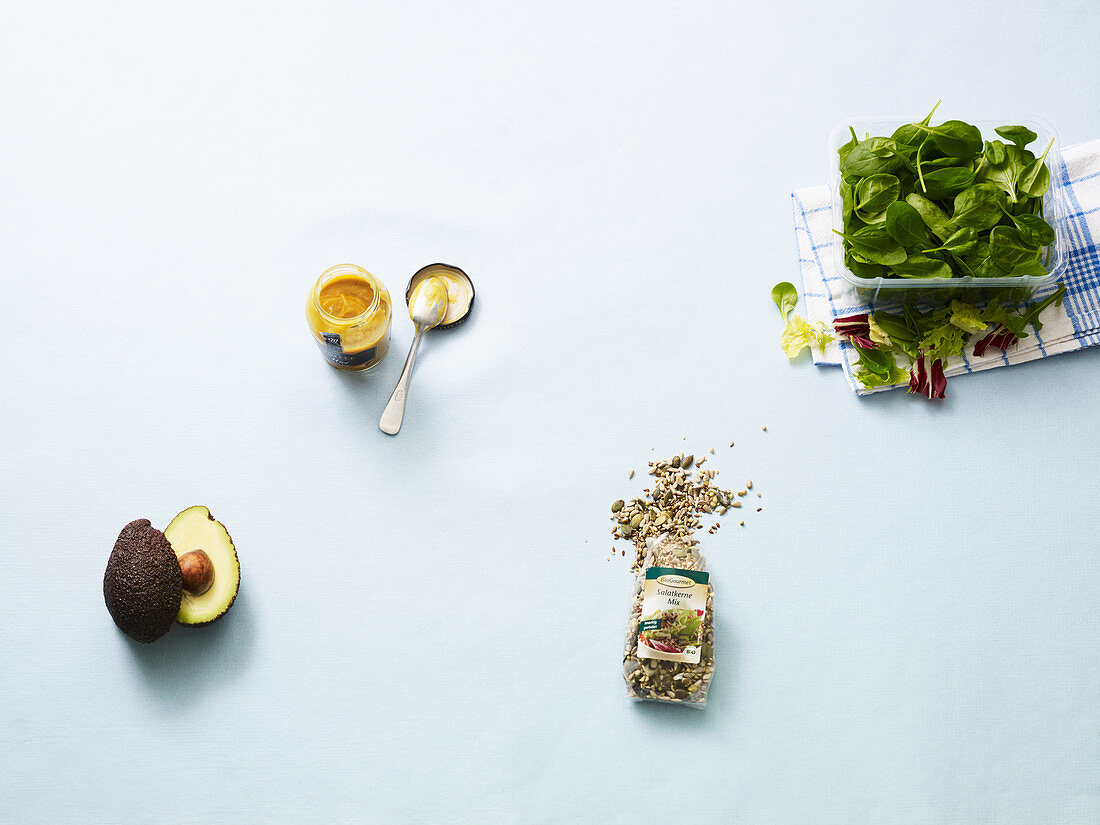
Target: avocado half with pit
208 563
187 574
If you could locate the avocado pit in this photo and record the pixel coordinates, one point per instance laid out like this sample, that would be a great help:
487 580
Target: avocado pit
197 570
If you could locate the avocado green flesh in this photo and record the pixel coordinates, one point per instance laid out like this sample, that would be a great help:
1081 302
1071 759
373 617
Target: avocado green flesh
142 585
196 529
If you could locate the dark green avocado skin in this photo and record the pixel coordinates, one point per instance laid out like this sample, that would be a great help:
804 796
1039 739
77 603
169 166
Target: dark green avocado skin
143 584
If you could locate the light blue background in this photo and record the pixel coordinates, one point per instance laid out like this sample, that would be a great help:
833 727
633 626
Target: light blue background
428 628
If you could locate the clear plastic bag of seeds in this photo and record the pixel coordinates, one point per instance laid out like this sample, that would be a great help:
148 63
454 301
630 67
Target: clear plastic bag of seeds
669 653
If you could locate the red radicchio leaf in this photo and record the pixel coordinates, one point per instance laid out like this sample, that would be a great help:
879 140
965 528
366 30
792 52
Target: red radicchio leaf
931 383
857 329
1001 337
917 376
939 380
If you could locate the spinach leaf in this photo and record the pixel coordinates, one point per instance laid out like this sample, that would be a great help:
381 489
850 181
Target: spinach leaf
877 155
846 201
959 264
873 195
903 224
863 268
944 183
1035 179
934 217
981 264
995 153
956 138
847 147
875 245
941 163
980 206
922 266
961 242
1008 250
1020 135
928 117
1033 230
786 298
1005 174
911 134
1029 270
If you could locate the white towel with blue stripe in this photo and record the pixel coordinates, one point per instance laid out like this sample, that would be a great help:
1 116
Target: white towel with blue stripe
1072 326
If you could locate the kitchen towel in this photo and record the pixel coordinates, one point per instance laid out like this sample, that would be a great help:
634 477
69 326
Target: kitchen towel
1072 326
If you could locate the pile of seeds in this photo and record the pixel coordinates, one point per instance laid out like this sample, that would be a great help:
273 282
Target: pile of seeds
682 492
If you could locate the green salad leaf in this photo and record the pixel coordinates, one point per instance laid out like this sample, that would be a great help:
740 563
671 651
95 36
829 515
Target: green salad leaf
786 298
877 368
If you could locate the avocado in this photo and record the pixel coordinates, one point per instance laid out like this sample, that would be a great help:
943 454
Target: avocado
143 585
211 571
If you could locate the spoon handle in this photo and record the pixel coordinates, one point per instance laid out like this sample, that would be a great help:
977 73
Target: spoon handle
395 408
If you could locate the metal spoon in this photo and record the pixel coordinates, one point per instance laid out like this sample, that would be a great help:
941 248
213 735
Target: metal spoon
427 306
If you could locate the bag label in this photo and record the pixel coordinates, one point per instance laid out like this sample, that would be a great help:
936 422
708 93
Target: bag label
674 602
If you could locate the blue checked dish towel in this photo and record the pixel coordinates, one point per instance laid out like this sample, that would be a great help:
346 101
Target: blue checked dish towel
1072 326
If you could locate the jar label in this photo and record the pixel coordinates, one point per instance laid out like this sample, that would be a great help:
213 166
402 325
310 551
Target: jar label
674 602
333 350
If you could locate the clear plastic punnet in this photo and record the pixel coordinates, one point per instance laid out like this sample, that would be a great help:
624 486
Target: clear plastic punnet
669 654
1054 205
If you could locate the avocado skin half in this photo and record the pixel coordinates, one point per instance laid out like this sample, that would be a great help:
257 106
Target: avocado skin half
143 585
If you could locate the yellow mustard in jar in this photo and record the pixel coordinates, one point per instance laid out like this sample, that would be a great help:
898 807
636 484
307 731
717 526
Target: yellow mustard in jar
349 313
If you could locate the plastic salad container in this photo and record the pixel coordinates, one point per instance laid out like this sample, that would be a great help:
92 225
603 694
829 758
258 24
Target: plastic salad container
1054 204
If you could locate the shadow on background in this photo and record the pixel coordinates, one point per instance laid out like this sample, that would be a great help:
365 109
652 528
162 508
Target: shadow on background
189 662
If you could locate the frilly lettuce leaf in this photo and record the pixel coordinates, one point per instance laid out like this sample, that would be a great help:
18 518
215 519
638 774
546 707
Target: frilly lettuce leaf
800 334
944 341
877 333
967 317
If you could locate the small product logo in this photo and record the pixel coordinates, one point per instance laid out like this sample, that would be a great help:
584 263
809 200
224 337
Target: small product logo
675 581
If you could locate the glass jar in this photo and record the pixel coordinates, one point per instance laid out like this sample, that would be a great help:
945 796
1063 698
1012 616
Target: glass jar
349 313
